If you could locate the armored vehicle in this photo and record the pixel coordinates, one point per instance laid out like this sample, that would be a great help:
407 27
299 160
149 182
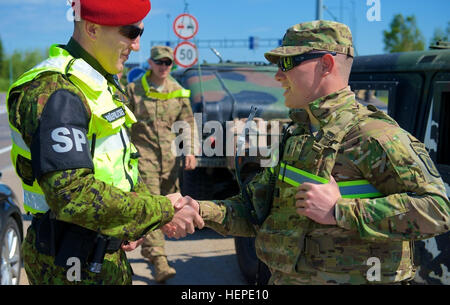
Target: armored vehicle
412 87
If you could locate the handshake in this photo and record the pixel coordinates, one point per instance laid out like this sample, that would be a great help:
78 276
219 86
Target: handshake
184 221
186 217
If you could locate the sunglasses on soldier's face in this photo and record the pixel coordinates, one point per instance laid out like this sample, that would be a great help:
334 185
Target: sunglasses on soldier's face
289 62
162 62
131 31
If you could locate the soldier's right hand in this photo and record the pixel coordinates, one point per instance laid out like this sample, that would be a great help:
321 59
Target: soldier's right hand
184 221
186 200
174 197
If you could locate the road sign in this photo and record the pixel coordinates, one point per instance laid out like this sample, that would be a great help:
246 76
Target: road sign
185 26
186 54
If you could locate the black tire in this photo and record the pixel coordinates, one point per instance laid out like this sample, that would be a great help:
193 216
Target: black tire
253 270
10 243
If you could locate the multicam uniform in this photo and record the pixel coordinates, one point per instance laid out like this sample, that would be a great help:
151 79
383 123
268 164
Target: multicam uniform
74 193
354 143
156 110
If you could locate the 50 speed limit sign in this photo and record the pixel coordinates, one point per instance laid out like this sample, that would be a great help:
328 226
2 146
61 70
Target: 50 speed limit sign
186 54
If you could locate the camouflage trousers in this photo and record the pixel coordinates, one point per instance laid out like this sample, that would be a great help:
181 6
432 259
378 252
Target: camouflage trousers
41 269
154 241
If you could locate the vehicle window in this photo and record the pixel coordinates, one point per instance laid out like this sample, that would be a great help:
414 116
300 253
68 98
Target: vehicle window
377 93
378 98
437 140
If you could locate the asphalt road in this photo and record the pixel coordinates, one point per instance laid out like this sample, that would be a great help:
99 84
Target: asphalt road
204 258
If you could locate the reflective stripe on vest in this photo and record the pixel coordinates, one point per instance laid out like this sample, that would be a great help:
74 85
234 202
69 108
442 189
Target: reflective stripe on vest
112 161
33 197
348 189
162 96
110 144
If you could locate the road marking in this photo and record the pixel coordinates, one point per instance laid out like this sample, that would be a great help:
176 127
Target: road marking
7 168
6 149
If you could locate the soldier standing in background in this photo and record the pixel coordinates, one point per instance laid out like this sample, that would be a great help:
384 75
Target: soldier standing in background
70 149
158 101
351 190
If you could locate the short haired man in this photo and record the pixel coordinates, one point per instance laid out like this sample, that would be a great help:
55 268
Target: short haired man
72 153
351 187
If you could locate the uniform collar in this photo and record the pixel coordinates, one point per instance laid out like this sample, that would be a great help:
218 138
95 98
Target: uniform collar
325 108
152 85
77 51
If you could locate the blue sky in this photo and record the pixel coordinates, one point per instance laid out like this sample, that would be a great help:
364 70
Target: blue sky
29 24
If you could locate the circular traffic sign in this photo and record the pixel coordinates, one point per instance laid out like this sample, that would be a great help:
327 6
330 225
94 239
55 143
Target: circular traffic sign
185 26
186 54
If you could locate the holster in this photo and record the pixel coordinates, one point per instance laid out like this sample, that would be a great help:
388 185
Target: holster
63 240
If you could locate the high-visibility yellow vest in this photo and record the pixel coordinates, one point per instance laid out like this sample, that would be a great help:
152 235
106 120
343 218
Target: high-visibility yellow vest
112 159
162 96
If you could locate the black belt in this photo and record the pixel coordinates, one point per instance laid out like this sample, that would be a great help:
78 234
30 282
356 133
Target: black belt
113 243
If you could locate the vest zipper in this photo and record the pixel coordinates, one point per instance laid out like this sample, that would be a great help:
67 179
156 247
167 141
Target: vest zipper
124 165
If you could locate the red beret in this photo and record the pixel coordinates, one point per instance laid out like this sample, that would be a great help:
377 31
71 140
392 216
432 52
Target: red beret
113 12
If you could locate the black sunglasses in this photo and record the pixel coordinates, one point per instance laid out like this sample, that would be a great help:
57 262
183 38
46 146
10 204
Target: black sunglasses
131 31
160 62
289 62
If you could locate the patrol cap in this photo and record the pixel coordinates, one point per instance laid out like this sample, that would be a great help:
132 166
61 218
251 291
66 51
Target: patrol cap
319 35
158 52
112 12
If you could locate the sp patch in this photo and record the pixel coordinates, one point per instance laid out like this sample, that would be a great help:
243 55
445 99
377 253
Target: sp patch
64 143
60 141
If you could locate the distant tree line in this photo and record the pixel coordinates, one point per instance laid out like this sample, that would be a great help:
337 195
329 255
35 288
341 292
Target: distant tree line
404 35
14 65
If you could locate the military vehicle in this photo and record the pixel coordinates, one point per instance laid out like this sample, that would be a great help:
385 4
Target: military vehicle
224 93
413 87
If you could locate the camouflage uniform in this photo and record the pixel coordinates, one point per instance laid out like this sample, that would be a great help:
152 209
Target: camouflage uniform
153 137
75 196
353 143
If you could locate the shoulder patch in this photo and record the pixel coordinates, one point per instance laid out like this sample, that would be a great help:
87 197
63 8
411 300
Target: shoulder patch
423 155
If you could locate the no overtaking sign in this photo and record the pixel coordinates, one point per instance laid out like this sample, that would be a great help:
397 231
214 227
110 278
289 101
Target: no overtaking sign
185 26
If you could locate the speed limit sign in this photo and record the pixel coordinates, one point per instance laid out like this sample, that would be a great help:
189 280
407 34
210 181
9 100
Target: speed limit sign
186 54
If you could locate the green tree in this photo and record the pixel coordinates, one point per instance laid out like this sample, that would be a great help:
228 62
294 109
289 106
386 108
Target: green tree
23 61
440 35
404 35
19 62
